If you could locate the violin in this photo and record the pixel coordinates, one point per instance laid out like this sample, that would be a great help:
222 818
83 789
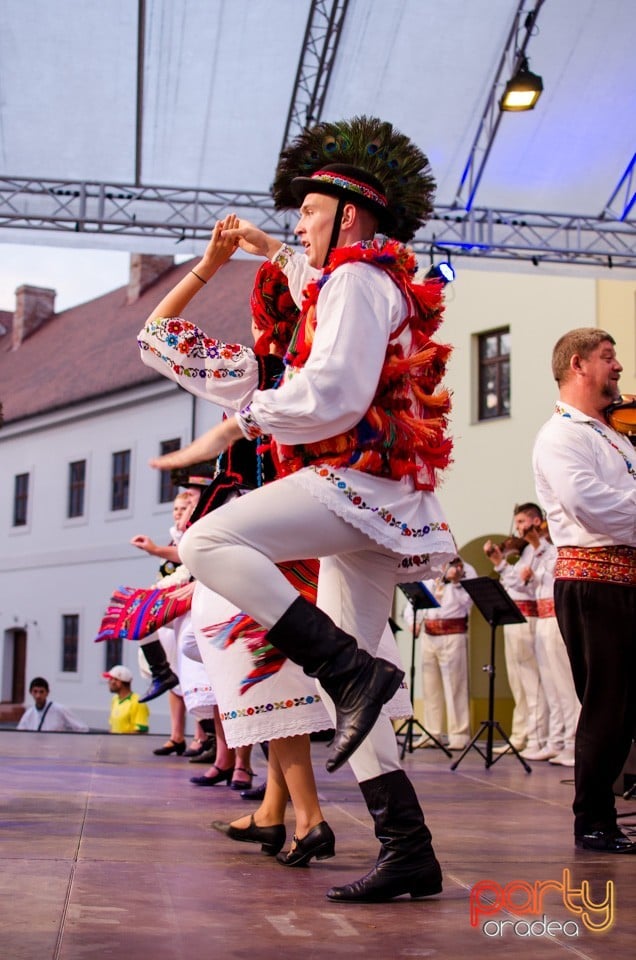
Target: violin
621 415
511 548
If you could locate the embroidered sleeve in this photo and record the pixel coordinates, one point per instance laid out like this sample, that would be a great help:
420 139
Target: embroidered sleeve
223 373
282 256
248 424
297 270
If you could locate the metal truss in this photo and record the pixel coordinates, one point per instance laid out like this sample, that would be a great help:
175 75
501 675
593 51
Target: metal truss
91 207
315 66
624 190
512 57
539 237
95 209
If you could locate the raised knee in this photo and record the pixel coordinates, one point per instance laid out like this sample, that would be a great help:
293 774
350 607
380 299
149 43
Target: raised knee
189 548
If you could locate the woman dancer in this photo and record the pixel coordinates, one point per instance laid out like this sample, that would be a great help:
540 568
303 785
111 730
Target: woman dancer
231 649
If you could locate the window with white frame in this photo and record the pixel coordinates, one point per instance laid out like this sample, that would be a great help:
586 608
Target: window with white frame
120 483
20 499
70 642
76 488
494 374
167 489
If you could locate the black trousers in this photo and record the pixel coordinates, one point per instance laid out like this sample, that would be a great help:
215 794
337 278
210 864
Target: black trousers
598 623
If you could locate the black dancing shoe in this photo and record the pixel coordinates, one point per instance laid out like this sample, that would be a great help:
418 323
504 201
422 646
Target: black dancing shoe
256 793
320 843
242 784
271 839
171 746
219 777
606 841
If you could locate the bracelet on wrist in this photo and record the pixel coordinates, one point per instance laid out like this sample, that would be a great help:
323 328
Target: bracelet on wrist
198 277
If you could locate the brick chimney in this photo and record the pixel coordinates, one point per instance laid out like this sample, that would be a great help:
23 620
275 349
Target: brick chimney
145 268
34 306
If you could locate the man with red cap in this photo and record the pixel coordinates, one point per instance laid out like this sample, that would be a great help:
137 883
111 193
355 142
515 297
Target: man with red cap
127 714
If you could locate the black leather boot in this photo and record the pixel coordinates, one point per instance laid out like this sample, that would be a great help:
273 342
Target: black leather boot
163 677
407 862
358 683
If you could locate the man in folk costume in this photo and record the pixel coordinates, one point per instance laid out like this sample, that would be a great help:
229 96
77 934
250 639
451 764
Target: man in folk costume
358 432
586 482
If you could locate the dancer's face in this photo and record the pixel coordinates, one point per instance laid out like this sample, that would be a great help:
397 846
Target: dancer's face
179 507
194 495
315 226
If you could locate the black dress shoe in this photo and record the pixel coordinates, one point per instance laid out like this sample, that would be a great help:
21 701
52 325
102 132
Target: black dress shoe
319 843
606 841
256 793
271 839
219 777
172 746
159 686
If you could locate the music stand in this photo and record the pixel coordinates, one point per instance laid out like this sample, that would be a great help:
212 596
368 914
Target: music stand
497 608
420 598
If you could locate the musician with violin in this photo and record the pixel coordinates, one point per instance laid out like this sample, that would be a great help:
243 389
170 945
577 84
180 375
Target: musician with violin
529 729
585 474
444 655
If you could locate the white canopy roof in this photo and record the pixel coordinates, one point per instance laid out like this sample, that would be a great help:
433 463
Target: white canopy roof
219 77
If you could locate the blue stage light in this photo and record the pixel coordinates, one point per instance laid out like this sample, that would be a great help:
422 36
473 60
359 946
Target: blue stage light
441 271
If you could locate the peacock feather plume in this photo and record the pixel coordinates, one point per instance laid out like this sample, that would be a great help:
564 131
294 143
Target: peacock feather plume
373 145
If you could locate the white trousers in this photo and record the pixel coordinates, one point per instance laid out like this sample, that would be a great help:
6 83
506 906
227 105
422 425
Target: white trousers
561 673
196 686
556 725
445 685
530 714
234 549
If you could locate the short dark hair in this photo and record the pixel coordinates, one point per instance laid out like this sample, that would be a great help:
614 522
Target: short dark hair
39 682
532 508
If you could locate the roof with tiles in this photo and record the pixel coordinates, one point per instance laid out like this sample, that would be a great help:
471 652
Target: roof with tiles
91 350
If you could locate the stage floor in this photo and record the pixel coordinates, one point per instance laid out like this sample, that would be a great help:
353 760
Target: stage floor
107 852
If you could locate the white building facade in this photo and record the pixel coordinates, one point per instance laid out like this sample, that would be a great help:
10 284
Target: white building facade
53 567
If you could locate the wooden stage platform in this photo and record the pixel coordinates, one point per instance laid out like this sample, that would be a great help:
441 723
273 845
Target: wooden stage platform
106 852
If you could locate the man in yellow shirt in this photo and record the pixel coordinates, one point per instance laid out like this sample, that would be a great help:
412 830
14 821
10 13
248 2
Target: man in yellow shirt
127 714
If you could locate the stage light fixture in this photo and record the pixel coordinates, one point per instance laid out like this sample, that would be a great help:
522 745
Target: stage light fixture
441 271
523 90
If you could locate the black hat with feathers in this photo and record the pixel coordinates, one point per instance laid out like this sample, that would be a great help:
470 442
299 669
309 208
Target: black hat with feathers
366 161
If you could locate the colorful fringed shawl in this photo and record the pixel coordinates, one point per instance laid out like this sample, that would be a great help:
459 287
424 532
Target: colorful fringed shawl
133 614
266 659
403 432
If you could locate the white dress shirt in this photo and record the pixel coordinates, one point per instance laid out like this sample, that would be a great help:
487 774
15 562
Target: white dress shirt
586 481
358 308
